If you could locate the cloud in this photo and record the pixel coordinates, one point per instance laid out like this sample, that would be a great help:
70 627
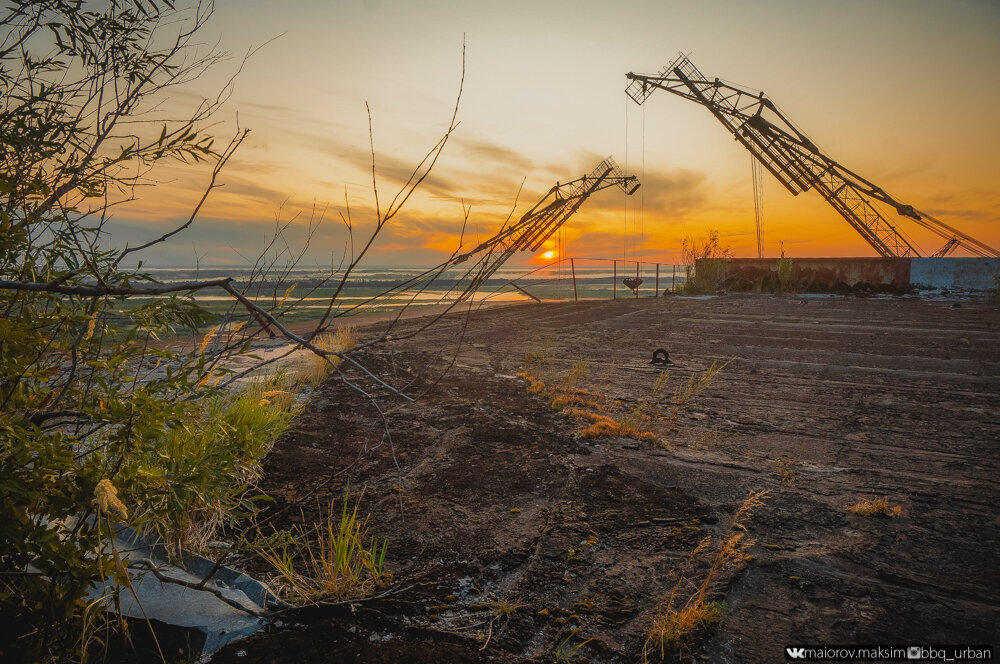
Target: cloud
488 154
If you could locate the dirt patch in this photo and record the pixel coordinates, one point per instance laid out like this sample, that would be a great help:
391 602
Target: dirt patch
486 493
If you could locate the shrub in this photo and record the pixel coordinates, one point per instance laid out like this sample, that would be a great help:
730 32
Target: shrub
198 474
710 261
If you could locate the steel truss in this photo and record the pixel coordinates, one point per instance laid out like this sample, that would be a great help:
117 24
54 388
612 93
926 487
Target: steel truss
796 162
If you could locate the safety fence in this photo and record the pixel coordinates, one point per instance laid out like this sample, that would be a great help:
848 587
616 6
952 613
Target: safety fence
598 278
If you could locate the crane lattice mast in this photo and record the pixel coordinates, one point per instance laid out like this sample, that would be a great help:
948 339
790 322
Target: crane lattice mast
796 162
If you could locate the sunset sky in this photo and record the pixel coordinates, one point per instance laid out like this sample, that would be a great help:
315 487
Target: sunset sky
905 92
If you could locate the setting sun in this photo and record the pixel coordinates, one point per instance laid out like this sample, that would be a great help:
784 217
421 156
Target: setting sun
548 254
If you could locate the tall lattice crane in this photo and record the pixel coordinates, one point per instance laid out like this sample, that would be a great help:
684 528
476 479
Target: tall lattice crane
796 162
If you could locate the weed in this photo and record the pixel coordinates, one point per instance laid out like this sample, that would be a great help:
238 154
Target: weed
204 466
690 607
697 383
784 469
672 630
875 506
573 402
709 438
649 408
567 401
585 415
503 608
337 560
537 358
627 427
577 372
566 652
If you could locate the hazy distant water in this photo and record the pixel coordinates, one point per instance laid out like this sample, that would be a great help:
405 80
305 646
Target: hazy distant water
584 270
366 288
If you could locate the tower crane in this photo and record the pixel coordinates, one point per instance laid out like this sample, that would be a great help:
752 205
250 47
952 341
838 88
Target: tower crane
797 163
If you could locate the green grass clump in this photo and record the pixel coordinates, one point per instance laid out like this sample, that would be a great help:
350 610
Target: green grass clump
335 560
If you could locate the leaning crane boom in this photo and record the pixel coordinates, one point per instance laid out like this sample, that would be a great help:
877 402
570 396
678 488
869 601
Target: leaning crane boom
528 233
548 215
796 162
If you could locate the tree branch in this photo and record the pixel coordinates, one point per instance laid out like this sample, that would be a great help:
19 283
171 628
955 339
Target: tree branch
100 291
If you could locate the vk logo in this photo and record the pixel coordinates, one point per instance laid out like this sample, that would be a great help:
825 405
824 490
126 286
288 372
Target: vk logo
795 653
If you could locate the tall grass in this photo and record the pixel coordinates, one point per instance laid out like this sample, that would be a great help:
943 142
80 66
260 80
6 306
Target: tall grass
200 470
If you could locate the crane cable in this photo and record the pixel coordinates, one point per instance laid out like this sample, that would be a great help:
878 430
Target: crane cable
625 199
642 194
757 176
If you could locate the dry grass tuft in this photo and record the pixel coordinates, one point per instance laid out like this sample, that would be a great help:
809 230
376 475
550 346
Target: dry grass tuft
503 608
585 415
573 402
697 382
602 425
875 507
565 401
784 469
340 340
691 606
709 439
537 359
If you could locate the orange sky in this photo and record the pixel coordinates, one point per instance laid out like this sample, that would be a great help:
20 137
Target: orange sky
902 91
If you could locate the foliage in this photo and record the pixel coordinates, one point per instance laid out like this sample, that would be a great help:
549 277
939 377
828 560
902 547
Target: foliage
85 390
336 560
99 418
690 607
199 473
710 260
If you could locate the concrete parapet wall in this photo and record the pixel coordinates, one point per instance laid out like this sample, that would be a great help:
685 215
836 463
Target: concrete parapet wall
824 275
977 274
